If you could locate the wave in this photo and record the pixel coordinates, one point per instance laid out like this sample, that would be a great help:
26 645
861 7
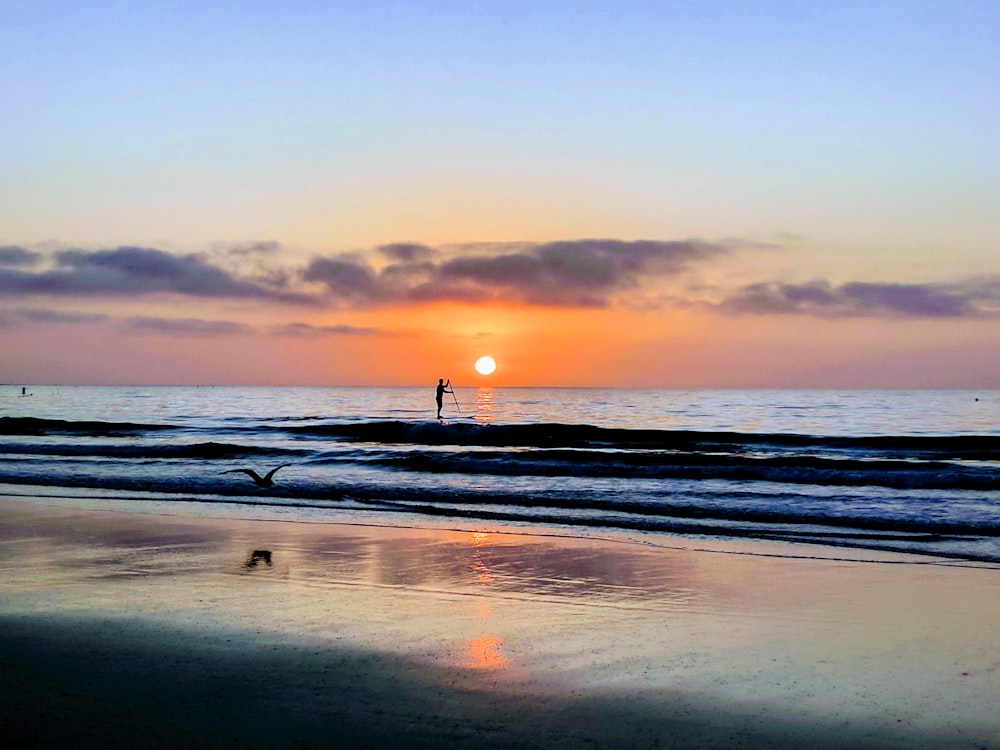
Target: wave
795 469
40 426
561 435
957 462
628 510
543 435
207 450
923 492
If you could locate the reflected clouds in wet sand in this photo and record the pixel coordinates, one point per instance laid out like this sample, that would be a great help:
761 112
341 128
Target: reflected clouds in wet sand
500 564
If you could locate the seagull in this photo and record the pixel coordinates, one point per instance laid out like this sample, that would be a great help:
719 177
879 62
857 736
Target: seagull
260 481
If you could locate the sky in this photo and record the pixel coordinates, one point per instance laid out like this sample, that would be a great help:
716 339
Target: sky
635 194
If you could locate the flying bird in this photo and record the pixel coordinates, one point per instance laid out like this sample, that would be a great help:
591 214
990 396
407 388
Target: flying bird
260 481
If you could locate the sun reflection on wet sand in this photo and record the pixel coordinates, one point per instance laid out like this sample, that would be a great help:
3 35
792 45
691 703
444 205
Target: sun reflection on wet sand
485 652
481 540
483 575
482 609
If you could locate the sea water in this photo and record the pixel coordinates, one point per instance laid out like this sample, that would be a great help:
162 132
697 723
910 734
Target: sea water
910 471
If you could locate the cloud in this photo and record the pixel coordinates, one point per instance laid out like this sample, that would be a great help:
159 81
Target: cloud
57 316
266 247
137 271
202 327
407 252
12 255
187 326
571 273
308 330
183 326
583 273
21 316
256 263
974 298
344 276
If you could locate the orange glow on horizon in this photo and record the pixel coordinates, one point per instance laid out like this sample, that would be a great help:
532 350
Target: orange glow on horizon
535 346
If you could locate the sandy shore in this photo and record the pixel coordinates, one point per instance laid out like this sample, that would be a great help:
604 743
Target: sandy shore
131 630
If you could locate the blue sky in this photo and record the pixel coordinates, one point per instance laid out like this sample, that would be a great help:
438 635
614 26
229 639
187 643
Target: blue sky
773 110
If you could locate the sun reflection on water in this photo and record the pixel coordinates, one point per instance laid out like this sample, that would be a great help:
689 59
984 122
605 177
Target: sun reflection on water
484 404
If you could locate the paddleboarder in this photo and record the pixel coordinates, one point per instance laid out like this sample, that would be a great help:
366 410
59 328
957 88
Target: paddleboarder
442 388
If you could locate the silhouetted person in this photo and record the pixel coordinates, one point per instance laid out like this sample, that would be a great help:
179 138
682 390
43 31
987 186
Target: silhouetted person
442 388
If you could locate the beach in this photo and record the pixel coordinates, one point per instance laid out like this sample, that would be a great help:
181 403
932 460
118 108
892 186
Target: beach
143 630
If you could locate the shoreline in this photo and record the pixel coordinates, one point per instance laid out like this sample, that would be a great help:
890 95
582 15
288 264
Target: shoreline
751 544
380 636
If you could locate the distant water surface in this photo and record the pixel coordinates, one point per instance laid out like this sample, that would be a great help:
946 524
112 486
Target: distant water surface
851 412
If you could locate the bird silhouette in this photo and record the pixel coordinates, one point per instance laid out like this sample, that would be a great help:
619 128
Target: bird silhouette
260 481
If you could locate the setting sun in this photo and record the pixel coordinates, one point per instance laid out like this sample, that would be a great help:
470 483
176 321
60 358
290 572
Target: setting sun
485 365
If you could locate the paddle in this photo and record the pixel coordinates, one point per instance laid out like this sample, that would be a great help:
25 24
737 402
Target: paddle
454 396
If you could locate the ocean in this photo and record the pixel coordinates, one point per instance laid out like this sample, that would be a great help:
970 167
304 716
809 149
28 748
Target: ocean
908 471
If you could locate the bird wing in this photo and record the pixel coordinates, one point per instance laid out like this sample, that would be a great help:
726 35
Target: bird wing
249 472
271 472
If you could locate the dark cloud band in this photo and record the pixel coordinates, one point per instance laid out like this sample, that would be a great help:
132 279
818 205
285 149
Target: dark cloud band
573 273
136 271
13 255
585 273
974 298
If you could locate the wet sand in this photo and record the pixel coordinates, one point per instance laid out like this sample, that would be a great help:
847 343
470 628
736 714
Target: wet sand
133 630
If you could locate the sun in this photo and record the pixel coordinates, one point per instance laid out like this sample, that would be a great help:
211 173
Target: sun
485 365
